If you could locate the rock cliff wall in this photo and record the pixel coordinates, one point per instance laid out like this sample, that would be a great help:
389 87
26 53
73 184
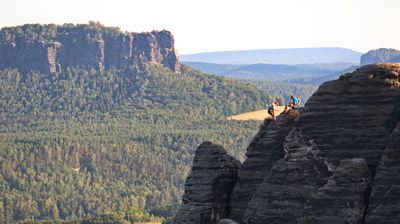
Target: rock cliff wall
335 163
87 47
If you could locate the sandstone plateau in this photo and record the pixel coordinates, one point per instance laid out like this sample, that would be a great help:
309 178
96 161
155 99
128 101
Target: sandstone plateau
337 161
380 55
91 46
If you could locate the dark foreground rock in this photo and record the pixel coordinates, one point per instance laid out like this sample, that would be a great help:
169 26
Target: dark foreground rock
343 199
265 149
338 162
384 203
208 187
227 221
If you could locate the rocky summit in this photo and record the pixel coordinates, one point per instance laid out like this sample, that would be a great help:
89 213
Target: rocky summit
337 160
49 48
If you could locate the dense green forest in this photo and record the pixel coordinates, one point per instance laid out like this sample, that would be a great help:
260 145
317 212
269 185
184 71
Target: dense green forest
82 143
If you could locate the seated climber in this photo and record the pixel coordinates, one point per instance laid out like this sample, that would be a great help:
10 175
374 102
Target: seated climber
294 104
271 109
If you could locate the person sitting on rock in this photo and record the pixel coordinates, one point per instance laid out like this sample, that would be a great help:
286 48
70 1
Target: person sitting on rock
294 104
271 110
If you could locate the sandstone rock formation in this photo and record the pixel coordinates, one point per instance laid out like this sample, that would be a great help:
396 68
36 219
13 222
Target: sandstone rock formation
380 55
338 162
86 46
265 149
209 185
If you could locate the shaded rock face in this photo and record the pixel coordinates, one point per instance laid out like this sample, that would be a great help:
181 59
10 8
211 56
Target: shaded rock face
27 55
384 203
347 118
226 221
209 185
338 162
77 47
265 149
380 55
343 198
281 197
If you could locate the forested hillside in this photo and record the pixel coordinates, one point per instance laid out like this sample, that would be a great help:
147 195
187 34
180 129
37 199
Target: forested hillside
84 141
282 91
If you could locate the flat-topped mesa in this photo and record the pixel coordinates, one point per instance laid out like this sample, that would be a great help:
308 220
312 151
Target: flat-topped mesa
95 46
380 55
208 187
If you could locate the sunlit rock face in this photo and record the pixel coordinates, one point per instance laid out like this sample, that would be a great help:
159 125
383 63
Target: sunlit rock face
86 46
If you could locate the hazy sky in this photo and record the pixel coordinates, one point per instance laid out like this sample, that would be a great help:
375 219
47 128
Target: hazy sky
214 25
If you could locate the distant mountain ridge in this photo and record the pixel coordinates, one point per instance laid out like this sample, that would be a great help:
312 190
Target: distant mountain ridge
277 56
292 73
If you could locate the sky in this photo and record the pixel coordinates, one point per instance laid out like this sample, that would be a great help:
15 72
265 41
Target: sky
222 25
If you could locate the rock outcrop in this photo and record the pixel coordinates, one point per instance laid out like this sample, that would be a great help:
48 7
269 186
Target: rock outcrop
338 162
209 185
265 149
281 197
85 46
380 55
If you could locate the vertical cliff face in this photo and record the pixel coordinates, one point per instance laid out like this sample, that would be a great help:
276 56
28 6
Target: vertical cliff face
157 47
29 55
85 46
338 161
265 149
